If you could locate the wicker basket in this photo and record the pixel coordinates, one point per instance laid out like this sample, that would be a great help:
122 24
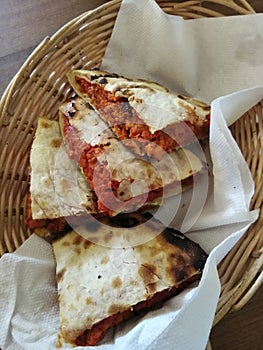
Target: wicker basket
40 86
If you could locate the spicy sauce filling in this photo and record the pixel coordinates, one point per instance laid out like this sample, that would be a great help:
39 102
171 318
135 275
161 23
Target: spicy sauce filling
125 122
102 183
99 177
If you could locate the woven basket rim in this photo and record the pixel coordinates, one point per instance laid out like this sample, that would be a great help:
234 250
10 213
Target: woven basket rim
237 292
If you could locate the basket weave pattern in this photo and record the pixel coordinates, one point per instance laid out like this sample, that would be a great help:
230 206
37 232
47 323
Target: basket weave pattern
41 85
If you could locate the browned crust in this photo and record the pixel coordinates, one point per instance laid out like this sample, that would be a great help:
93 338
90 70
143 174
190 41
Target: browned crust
185 265
97 332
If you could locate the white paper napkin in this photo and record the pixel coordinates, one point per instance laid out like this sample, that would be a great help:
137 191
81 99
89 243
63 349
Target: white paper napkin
205 58
28 297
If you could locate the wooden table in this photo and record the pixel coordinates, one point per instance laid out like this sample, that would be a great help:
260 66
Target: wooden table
23 24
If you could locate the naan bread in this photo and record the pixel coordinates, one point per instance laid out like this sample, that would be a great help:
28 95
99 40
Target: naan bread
104 279
58 189
121 180
152 119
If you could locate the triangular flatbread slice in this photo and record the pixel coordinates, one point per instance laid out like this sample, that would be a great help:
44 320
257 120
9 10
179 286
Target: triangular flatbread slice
121 180
58 189
103 278
150 118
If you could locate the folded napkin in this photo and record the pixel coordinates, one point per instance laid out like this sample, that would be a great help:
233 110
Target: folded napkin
218 61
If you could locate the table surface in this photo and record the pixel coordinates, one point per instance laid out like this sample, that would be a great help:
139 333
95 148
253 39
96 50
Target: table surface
23 24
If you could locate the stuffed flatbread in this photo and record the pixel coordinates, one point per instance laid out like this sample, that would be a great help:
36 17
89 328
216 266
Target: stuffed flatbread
100 286
150 119
121 180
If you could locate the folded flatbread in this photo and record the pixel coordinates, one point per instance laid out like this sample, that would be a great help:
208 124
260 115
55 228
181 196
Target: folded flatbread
150 118
121 180
58 189
100 286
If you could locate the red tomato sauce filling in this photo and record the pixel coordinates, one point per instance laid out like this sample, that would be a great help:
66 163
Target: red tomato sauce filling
126 123
100 181
104 186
